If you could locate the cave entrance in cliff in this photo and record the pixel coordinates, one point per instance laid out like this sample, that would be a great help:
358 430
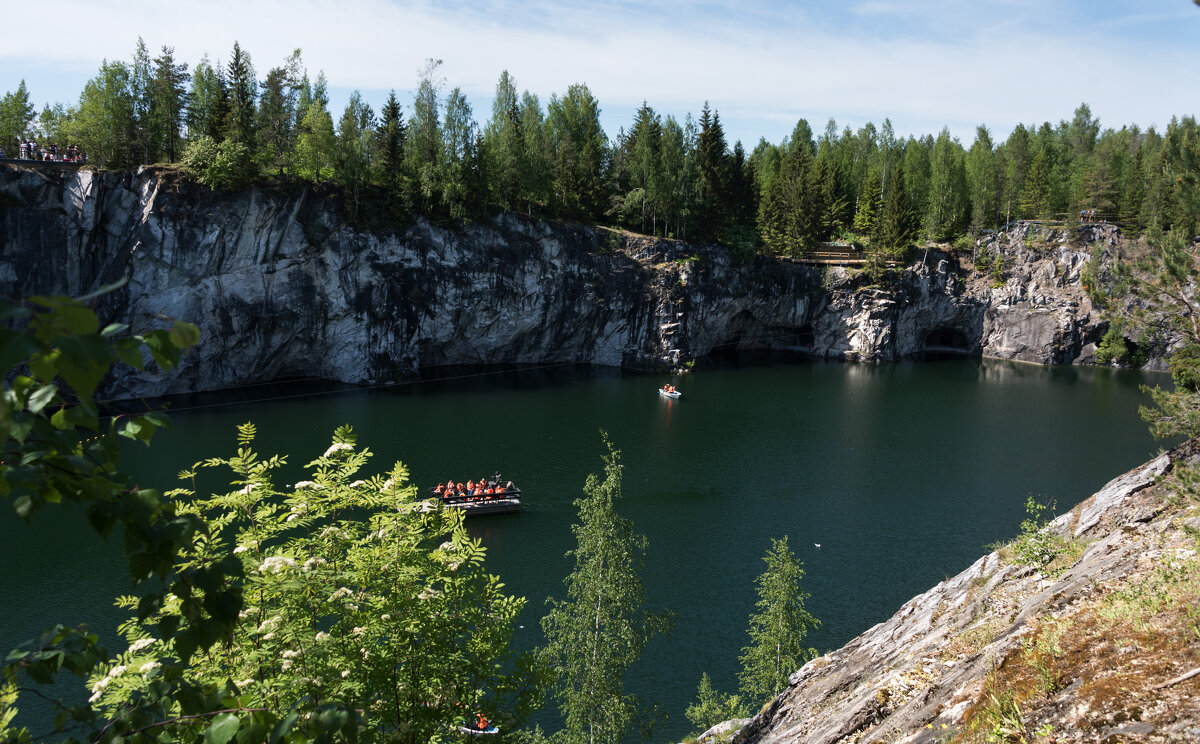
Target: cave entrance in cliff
805 337
946 342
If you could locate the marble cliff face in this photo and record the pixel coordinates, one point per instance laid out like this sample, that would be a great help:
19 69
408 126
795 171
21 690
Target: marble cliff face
282 288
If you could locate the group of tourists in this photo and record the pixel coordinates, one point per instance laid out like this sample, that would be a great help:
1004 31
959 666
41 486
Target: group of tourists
480 490
48 152
668 388
1087 215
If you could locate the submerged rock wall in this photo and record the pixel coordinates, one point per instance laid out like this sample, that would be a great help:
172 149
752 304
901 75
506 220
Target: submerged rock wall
282 288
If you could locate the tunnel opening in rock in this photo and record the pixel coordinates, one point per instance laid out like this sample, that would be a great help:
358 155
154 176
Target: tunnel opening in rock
946 342
748 340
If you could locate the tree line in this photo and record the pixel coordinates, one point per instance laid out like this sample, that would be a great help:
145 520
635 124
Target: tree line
659 176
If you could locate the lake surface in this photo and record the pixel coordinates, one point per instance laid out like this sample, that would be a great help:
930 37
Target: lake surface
902 473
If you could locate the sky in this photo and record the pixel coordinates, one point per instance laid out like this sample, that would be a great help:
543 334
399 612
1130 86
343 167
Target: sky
761 64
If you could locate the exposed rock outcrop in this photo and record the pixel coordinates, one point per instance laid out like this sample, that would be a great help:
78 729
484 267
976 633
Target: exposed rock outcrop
1094 646
282 288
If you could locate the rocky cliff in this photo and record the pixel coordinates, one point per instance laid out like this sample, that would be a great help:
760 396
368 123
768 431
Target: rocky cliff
282 288
1087 632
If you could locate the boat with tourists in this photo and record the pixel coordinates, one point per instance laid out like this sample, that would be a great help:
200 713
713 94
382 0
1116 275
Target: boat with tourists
669 391
475 498
480 727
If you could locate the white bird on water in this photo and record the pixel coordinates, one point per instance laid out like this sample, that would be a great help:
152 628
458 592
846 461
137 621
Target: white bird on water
818 545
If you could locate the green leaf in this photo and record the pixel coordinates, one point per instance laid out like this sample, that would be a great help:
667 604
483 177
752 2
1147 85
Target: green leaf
84 361
162 348
105 289
15 348
113 329
223 728
67 315
184 335
41 398
129 350
283 727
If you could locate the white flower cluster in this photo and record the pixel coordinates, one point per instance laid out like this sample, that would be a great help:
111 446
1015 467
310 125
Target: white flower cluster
345 673
149 666
338 447
243 684
358 631
101 685
269 624
276 563
358 484
313 562
322 636
308 484
429 593
140 644
341 593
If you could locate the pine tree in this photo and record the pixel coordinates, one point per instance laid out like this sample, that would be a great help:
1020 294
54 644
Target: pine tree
777 628
868 204
601 628
897 225
1132 196
168 104
714 169
243 94
390 140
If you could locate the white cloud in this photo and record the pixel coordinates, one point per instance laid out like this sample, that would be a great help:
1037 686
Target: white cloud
762 65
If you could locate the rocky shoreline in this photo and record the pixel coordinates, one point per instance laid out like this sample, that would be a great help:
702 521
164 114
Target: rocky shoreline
282 288
1095 646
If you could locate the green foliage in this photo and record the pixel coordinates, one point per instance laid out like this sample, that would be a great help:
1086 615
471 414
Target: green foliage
225 165
602 626
16 114
777 628
1171 274
59 451
369 612
1036 545
1112 347
713 707
659 175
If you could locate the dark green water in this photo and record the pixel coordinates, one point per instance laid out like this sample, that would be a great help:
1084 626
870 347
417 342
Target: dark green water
902 473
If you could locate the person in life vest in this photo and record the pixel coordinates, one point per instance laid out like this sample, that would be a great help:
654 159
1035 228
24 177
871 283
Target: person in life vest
481 722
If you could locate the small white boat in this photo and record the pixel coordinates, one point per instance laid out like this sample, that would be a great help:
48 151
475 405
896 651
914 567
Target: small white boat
669 394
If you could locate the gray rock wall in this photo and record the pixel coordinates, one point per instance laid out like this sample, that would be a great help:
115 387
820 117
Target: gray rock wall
282 288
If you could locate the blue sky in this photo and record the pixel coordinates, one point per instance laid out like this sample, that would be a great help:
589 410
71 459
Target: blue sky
762 65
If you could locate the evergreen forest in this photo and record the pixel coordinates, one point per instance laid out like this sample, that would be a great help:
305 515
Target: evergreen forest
551 159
